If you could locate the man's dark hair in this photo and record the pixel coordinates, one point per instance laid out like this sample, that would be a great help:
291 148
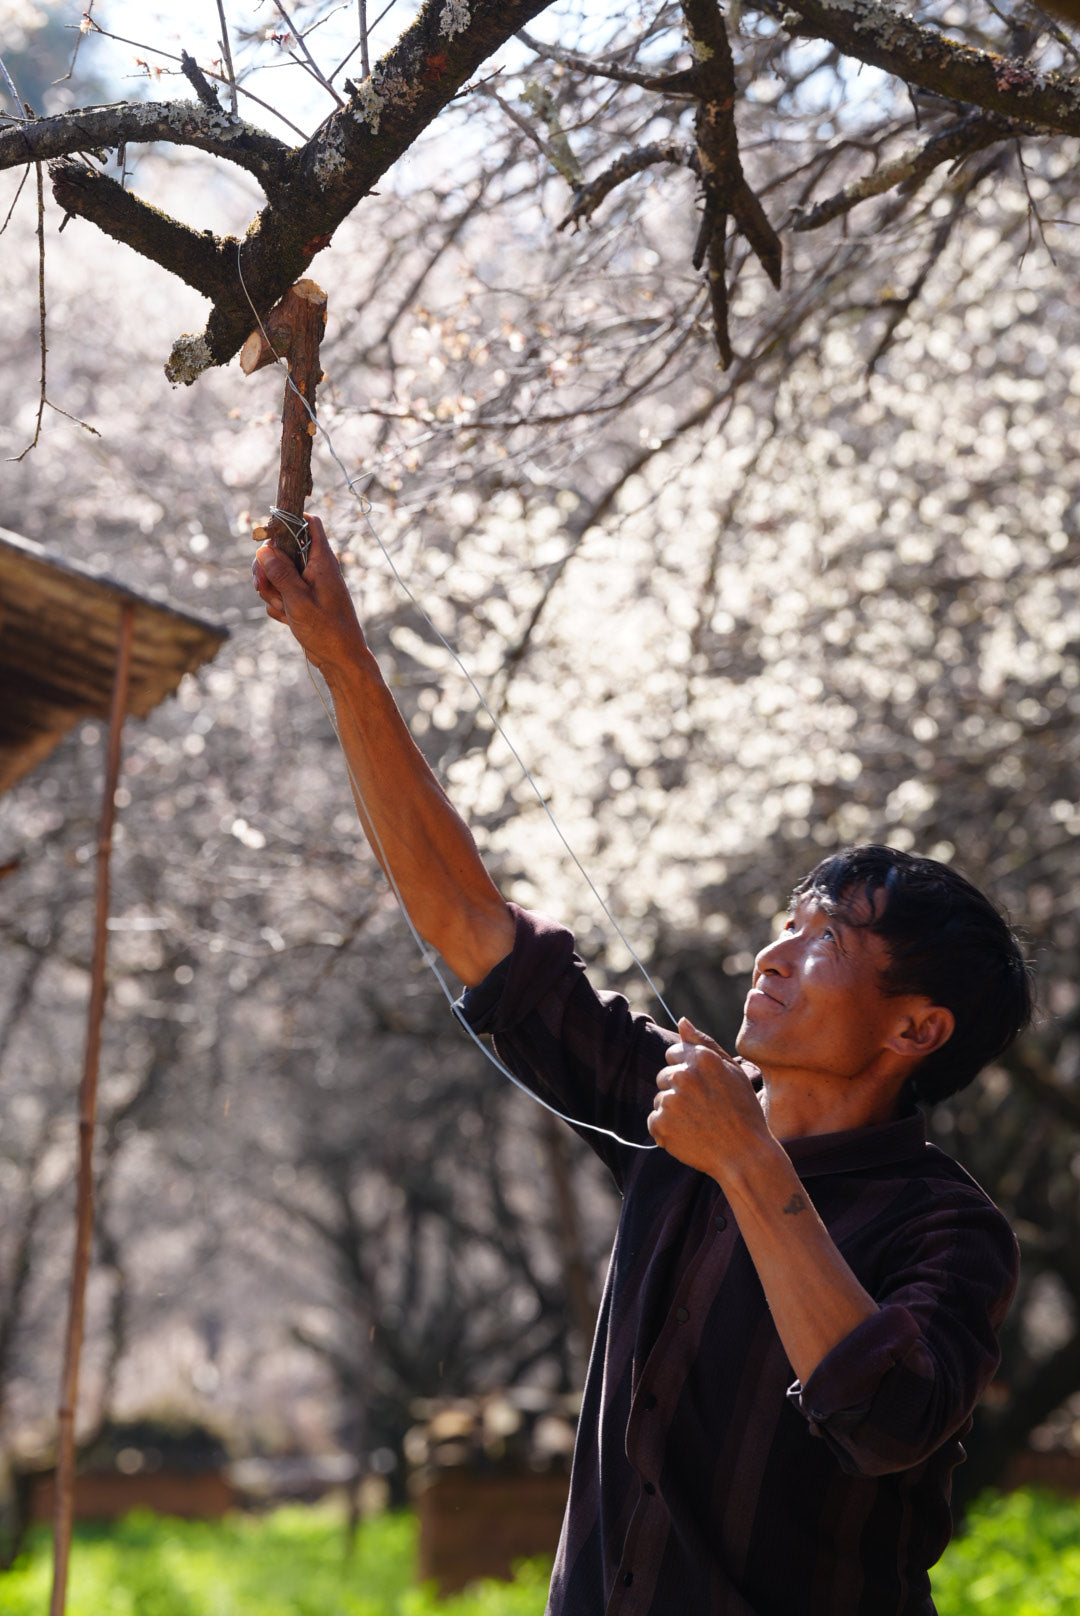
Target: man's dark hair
947 942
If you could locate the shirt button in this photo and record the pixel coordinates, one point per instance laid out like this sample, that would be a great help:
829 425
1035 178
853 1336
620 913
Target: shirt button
720 1221
681 1314
627 1578
648 1402
649 1488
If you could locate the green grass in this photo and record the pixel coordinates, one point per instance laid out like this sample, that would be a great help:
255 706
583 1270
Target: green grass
290 1563
1019 1557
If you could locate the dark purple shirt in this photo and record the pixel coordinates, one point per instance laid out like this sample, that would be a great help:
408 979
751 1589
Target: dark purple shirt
706 1480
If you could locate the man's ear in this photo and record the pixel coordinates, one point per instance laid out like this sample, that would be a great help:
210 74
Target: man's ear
922 1030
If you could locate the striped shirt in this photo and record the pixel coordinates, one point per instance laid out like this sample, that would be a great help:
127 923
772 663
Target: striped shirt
707 1481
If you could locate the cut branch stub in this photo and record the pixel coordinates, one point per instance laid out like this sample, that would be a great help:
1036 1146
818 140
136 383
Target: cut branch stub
292 331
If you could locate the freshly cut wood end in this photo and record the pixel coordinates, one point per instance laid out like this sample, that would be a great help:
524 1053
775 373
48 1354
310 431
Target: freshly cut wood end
310 291
256 353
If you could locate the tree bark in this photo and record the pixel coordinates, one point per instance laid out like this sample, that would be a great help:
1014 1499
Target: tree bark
292 331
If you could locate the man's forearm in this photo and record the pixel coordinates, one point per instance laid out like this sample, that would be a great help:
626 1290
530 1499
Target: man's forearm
414 830
418 836
815 1298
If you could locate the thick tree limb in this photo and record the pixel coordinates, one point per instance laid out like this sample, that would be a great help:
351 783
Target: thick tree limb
177 123
727 193
880 34
962 139
205 261
347 156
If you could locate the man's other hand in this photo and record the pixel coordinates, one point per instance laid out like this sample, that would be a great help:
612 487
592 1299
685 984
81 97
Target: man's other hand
706 1112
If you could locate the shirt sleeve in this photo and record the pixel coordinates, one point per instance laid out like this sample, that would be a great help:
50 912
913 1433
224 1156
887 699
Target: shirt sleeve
583 1052
907 1379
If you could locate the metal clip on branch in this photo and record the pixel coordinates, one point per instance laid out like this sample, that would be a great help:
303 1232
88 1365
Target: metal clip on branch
292 331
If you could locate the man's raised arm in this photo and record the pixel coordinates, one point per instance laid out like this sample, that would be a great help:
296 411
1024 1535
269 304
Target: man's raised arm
414 830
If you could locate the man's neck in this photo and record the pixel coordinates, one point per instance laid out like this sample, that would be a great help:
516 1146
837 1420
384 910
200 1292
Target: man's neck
799 1105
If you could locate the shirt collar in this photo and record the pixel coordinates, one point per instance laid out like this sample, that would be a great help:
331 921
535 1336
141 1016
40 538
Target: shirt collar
857 1148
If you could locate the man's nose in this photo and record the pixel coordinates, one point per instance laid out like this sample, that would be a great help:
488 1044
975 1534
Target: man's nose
775 956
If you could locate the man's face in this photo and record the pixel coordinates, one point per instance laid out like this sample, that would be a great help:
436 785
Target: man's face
817 1006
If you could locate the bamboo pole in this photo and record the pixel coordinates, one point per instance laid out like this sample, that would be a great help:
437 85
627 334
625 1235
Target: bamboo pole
84 1214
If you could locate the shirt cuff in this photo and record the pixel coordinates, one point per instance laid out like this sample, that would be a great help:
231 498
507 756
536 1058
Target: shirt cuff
540 956
838 1395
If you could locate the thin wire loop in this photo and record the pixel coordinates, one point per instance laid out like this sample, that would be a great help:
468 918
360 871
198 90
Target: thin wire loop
426 953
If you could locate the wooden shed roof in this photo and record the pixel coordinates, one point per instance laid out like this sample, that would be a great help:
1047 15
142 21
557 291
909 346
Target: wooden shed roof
59 627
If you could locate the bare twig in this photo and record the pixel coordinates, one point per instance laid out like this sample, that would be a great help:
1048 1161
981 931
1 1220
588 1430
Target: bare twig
12 91
43 401
359 46
557 162
15 198
585 64
1033 210
41 308
87 26
365 60
226 52
313 66
171 56
589 197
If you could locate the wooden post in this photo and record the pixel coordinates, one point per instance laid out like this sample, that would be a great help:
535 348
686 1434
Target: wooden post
84 1215
292 331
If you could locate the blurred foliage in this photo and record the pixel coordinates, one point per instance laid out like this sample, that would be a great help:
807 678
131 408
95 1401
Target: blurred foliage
1019 1556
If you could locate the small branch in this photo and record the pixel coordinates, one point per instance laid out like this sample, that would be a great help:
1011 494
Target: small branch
41 308
15 198
365 61
973 133
226 52
898 307
170 56
198 81
727 193
87 26
589 197
718 298
557 162
313 66
601 70
12 91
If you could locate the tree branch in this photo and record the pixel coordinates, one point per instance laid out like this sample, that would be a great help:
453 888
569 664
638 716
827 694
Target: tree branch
879 34
727 193
178 123
589 197
594 69
346 157
971 134
205 261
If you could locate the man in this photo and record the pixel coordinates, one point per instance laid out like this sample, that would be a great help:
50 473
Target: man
803 1297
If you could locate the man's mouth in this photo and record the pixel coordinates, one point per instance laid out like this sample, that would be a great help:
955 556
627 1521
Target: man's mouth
757 992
